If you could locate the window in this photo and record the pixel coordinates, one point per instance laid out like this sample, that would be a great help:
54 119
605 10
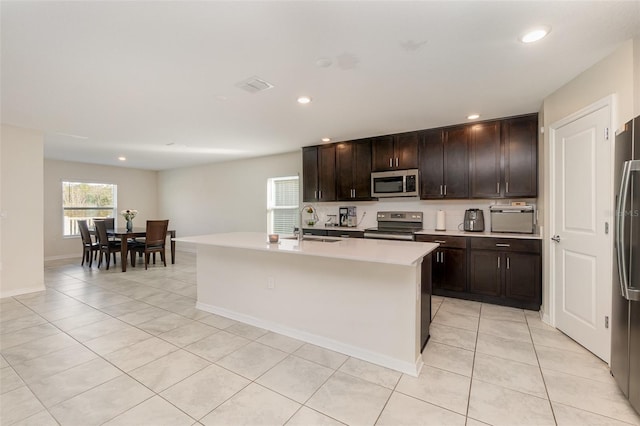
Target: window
283 194
86 201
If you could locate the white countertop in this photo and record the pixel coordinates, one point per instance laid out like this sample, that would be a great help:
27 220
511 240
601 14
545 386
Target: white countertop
377 251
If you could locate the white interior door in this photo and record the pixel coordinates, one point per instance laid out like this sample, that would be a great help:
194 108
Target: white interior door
581 253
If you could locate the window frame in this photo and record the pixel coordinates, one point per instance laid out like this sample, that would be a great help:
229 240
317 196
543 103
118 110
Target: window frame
114 208
271 207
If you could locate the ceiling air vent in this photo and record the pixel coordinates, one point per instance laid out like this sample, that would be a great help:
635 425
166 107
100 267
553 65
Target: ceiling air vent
254 85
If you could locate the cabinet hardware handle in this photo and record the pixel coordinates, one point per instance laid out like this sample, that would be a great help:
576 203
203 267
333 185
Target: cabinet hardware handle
498 187
320 195
498 262
508 263
396 161
507 188
503 245
315 194
441 192
439 241
445 190
390 162
442 257
344 235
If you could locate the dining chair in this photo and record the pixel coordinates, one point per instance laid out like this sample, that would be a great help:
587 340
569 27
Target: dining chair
106 246
89 248
155 242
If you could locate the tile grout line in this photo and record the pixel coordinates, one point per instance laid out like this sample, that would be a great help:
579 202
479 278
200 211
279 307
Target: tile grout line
544 381
473 366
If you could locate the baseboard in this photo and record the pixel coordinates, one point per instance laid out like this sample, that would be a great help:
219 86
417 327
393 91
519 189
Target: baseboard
21 291
62 257
363 354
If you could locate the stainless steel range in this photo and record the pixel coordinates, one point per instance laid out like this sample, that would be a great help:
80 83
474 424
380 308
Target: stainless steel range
396 226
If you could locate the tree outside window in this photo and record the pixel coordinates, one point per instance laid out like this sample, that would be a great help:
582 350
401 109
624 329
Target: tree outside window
86 201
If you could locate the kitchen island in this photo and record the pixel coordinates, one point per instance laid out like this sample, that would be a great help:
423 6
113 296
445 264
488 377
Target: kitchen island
366 298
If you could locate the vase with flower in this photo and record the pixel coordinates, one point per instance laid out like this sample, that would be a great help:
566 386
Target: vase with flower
128 216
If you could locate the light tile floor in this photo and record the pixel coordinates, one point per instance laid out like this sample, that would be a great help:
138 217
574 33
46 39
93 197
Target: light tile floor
105 347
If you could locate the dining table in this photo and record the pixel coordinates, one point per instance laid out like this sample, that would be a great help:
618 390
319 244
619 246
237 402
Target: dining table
124 236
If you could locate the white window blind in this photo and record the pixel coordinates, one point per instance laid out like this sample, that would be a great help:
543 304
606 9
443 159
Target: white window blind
283 196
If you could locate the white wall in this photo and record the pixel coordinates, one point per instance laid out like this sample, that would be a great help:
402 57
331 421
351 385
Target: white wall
21 191
222 197
137 189
612 75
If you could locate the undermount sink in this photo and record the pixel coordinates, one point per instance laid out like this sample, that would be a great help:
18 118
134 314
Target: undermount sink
320 239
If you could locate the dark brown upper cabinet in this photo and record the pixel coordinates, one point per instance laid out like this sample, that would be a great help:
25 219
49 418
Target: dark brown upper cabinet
395 152
353 170
444 165
485 158
520 148
318 173
503 158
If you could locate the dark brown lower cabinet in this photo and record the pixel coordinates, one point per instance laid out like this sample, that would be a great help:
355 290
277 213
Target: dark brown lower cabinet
450 269
506 271
484 273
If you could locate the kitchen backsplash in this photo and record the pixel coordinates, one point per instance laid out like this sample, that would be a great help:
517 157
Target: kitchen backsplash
453 209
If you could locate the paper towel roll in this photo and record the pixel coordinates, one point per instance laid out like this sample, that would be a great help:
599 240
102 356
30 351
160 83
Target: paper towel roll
440 221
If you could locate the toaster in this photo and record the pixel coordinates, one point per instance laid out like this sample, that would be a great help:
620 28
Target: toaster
517 219
474 220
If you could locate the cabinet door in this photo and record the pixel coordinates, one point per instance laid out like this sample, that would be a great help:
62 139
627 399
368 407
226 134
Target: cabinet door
522 277
310 174
454 266
485 272
437 271
456 163
484 160
327 173
344 170
382 154
406 151
431 165
520 144
362 170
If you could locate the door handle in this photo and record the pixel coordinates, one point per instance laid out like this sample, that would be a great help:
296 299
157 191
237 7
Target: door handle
626 290
556 238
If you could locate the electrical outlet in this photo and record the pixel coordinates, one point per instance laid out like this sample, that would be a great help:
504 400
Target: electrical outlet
271 282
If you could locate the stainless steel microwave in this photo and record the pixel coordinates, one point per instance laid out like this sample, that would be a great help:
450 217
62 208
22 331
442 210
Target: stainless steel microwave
397 183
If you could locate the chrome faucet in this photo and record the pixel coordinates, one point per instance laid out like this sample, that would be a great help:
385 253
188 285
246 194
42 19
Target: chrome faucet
315 217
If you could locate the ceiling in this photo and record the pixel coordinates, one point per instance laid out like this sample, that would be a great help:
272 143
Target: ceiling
156 82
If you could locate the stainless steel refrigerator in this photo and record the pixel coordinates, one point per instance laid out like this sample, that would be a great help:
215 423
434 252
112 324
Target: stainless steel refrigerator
625 325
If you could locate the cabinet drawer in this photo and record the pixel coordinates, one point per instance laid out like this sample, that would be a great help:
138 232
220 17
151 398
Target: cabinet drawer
345 234
506 244
445 241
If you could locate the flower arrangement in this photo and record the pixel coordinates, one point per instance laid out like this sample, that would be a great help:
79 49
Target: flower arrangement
129 214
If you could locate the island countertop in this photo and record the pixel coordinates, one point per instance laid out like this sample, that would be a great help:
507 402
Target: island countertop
377 251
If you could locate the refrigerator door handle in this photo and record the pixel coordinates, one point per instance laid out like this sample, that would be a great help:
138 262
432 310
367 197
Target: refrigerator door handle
626 291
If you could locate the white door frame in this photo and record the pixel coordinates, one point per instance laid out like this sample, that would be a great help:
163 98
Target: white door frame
551 247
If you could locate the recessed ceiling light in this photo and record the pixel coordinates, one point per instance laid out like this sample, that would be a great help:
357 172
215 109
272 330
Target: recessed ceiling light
535 34
326 139
304 100
473 116
122 158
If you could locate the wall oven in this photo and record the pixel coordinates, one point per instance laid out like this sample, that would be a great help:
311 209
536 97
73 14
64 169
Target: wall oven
397 183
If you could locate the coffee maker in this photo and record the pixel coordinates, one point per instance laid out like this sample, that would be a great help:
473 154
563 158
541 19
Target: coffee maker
347 216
